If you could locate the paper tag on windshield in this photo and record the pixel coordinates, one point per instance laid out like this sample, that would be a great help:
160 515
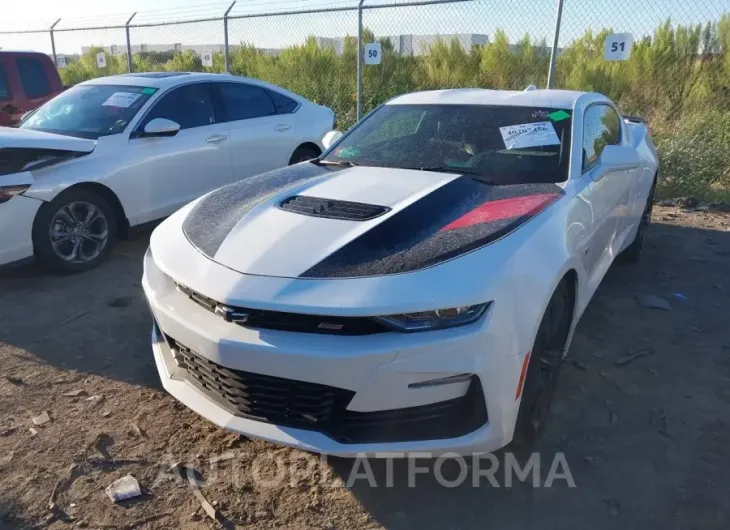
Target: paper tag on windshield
121 99
529 135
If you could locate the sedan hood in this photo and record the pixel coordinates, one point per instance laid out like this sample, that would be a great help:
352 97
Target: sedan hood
29 139
311 221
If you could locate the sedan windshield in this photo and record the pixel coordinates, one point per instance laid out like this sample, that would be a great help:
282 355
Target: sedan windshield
89 111
497 144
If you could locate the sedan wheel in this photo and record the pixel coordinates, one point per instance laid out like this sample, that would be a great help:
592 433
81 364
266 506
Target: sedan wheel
79 232
302 154
75 231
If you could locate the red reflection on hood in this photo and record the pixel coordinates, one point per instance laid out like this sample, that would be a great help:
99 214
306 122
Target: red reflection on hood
504 209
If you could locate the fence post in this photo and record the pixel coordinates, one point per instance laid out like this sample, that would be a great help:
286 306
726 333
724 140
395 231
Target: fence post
53 43
225 37
554 50
359 59
129 44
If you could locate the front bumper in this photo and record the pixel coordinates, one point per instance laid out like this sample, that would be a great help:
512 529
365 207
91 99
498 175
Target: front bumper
360 381
16 232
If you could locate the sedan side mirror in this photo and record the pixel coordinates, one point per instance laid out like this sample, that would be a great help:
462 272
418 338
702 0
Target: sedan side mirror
617 158
331 138
161 127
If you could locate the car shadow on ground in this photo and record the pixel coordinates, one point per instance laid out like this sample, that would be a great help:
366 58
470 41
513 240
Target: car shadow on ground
639 436
96 322
635 429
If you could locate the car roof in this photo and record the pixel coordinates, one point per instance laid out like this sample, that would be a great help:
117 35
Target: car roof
21 52
162 79
560 99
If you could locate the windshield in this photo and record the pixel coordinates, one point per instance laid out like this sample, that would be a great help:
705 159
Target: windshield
89 111
498 144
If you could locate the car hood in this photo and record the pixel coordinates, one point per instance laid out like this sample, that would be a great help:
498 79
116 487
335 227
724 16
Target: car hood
29 139
311 221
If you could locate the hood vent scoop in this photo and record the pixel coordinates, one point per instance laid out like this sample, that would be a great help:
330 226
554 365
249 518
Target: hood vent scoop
332 209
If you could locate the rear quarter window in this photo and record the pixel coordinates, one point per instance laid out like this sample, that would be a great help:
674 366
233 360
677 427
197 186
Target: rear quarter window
244 102
33 77
283 104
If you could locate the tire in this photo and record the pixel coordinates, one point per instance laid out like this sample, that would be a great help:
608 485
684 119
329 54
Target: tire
303 153
74 232
546 360
632 253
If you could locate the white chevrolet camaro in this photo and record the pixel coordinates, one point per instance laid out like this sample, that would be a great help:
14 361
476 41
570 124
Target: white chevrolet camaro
115 153
413 289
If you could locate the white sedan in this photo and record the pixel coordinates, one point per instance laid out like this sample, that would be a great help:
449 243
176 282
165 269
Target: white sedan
416 287
115 153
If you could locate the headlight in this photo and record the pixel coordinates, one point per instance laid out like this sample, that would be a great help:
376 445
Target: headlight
438 319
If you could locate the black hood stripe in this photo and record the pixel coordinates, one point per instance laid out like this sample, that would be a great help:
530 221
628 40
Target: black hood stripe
414 238
213 218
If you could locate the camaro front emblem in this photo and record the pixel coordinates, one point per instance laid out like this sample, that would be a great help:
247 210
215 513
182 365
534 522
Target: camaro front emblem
231 315
330 326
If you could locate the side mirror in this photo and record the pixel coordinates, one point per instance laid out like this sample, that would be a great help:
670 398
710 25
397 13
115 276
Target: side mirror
161 127
617 158
330 138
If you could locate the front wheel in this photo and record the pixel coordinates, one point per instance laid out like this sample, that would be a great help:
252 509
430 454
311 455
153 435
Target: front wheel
546 359
74 232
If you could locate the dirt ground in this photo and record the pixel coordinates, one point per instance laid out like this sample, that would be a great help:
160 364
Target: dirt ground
642 415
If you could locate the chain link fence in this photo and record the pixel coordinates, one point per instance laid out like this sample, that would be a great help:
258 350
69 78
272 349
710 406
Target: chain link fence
677 75
313 54
179 46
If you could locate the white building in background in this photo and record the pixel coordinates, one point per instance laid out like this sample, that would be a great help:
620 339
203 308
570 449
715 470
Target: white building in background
414 45
409 45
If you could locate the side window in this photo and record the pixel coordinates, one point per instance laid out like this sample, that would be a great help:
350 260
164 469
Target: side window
243 102
4 89
601 127
283 104
190 106
33 77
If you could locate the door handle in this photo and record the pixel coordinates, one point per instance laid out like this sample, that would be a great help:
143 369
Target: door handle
214 139
282 128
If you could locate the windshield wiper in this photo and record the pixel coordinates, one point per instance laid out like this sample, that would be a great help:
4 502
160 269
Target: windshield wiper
439 169
341 163
462 171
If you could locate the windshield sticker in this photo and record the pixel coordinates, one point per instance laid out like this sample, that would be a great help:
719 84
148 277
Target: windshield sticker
147 91
121 99
529 135
347 152
540 114
559 115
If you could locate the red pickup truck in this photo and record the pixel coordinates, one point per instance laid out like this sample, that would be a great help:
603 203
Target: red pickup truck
27 80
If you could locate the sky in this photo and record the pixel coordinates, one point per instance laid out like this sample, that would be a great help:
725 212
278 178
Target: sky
516 17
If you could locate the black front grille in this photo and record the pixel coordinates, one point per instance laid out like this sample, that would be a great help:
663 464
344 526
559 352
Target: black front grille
302 323
265 398
332 209
323 408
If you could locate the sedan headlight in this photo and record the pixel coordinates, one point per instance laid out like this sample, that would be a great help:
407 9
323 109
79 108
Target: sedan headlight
438 319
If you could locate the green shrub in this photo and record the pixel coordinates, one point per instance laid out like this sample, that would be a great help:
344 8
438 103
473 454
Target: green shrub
695 156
